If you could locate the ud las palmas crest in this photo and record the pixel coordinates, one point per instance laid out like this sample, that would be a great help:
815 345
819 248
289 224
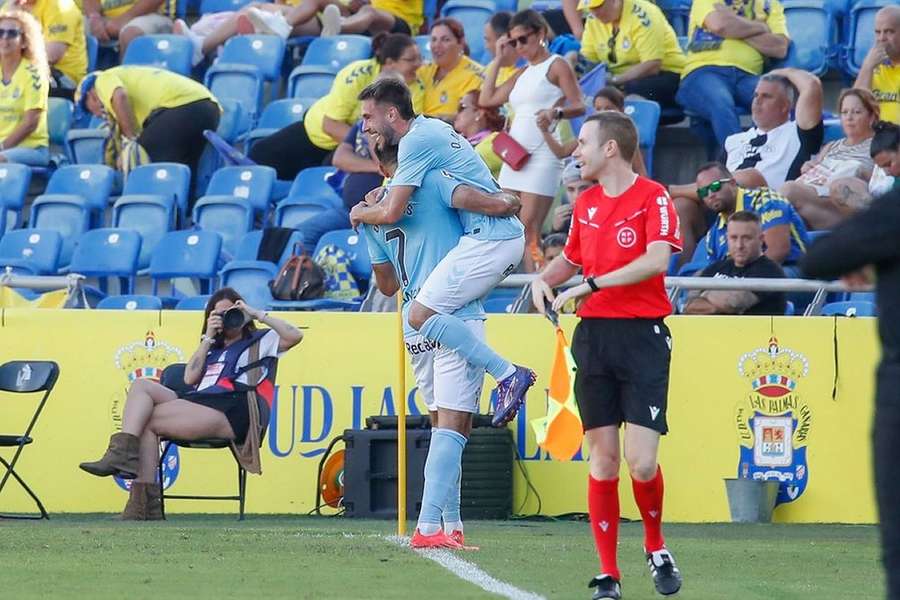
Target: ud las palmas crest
145 359
773 420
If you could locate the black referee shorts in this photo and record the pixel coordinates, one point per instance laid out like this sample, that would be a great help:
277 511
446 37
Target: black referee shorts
623 372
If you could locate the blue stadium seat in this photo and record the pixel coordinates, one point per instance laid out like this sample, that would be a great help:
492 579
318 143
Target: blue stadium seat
240 83
500 300
833 130
60 113
166 51
678 13
863 296
699 260
852 308
860 34
354 245
810 24
473 14
228 216
94 183
193 254
231 126
108 252
310 81
130 302
151 215
253 184
36 249
193 303
85 146
14 182
67 214
93 47
251 280
171 180
295 212
276 115
338 51
645 114
265 52
216 6
248 249
424 44
506 5
313 183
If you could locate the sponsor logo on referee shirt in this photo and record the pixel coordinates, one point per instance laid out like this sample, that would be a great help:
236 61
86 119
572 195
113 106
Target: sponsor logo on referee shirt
664 225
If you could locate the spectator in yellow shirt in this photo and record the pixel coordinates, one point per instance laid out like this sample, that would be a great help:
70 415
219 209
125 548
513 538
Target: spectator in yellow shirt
361 16
494 29
63 27
121 21
451 74
880 70
637 44
479 125
328 121
23 95
727 46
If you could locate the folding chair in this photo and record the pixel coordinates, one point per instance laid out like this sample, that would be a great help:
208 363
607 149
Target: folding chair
25 377
173 378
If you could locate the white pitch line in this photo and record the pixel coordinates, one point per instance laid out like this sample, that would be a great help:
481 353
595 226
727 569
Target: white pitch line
470 572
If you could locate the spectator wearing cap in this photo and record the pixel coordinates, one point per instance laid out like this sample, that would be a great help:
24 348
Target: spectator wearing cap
574 185
480 125
745 259
451 74
63 27
727 46
880 71
120 21
637 44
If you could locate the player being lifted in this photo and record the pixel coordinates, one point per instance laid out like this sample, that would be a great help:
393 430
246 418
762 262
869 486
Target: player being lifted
489 249
403 255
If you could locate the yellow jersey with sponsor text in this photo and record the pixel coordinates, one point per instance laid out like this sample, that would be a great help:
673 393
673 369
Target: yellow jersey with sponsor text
886 88
62 22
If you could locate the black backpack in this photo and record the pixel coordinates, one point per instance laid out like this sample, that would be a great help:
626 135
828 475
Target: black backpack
299 279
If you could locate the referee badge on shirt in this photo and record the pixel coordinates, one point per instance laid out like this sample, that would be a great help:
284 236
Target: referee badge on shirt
773 421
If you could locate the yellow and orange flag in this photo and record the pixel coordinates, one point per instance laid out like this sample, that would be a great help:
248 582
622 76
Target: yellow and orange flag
560 432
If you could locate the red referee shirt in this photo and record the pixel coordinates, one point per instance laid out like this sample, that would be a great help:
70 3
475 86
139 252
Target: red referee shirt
607 233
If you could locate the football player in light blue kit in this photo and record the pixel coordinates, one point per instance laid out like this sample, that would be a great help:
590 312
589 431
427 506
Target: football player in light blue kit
403 255
491 246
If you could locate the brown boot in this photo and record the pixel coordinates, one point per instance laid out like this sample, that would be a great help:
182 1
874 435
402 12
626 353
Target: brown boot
121 458
154 510
136 507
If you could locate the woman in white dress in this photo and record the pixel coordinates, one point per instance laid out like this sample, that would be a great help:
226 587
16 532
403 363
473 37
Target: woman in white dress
545 90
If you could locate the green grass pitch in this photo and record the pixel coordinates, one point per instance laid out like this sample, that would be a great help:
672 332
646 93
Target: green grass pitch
205 556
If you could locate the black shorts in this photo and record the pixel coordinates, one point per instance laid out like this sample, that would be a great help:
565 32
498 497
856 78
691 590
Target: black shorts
623 372
234 406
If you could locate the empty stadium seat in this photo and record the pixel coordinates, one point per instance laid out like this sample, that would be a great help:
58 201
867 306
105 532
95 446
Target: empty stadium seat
295 212
151 215
473 14
354 245
645 114
810 24
265 52
193 303
860 34
36 249
313 183
108 252
94 183
229 216
240 83
424 44
852 308
67 214
216 6
192 254
231 126
310 81
85 146
501 300
248 249
678 14
253 184
163 179
276 115
14 182
338 51
130 302
251 280
171 52
60 113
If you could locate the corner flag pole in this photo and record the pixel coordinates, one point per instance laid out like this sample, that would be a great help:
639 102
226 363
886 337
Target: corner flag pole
401 421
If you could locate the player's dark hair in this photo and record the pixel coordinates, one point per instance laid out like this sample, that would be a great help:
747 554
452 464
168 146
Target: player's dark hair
886 138
500 22
391 92
390 46
386 153
744 216
613 95
530 19
618 127
719 166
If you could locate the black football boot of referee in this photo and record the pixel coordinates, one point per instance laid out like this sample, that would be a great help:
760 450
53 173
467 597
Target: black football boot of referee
606 586
666 576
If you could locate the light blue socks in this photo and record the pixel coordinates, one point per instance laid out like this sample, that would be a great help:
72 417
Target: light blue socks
452 332
452 518
442 472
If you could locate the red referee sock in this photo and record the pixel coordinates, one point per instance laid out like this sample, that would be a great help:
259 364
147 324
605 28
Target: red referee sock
603 509
649 497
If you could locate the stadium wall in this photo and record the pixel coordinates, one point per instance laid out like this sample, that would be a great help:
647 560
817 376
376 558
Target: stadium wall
810 400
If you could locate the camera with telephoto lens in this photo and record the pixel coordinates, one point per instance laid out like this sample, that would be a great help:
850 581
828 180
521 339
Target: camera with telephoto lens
233 318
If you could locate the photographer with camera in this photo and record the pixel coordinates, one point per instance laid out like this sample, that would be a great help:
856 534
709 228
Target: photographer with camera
227 394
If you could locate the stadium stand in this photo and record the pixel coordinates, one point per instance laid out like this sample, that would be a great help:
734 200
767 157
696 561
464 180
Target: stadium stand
106 253
14 182
130 302
473 14
337 52
229 216
171 52
186 254
36 250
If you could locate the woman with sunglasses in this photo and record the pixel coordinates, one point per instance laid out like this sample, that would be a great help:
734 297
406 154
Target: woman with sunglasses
451 74
23 95
638 45
536 93
479 125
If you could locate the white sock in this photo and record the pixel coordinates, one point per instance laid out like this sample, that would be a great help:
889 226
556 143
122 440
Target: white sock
453 526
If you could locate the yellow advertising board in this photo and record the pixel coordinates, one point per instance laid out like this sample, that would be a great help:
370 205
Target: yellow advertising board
787 398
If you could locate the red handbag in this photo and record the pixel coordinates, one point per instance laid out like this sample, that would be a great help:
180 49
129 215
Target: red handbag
510 151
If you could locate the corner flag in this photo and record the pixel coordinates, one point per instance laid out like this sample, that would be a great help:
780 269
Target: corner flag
560 432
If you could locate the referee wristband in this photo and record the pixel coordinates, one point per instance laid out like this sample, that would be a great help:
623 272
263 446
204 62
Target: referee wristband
591 284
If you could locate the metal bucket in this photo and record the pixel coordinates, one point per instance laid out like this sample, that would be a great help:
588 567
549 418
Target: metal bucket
751 500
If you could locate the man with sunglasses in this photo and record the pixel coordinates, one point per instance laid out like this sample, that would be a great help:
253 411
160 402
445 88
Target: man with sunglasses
784 232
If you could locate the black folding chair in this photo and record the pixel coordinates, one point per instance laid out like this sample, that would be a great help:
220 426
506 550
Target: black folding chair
173 378
25 377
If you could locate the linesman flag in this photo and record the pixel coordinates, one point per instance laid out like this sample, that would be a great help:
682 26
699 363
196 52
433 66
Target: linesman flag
560 432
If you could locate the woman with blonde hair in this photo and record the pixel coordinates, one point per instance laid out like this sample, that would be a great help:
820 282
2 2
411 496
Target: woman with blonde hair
23 95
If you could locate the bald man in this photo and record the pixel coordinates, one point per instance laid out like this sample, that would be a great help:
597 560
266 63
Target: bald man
880 70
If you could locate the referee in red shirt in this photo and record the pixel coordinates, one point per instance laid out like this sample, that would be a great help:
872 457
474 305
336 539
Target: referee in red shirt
622 235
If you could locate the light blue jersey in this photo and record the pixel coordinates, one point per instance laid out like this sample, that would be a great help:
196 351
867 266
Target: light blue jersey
432 144
416 243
